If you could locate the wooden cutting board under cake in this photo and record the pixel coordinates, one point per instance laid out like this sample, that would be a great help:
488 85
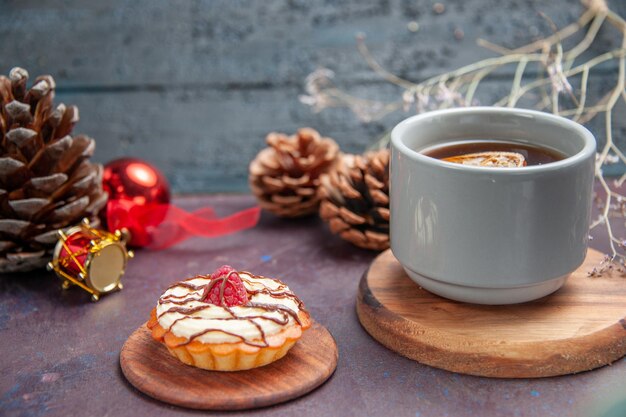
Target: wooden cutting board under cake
580 327
150 368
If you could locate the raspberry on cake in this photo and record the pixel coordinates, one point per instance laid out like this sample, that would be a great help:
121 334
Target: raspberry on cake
225 288
229 320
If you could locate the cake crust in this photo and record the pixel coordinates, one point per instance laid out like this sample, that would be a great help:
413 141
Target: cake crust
198 333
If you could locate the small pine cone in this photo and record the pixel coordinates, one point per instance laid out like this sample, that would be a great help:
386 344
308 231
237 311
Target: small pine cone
355 199
285 176
46 180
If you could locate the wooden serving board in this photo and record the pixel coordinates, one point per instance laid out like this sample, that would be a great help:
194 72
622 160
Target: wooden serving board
580 327
152 370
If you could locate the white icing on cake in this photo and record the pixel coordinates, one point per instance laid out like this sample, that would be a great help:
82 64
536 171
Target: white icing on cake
187 325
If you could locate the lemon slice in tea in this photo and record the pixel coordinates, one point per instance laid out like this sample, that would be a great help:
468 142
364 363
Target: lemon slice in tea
490 159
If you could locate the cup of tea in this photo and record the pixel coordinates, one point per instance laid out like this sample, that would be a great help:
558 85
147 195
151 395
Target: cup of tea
490 205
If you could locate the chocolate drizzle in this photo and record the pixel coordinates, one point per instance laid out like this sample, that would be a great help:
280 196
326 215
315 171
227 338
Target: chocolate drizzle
198 293
273 293
174 299
276 307
182 310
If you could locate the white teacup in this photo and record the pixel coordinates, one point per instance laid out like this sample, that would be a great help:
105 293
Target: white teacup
490 235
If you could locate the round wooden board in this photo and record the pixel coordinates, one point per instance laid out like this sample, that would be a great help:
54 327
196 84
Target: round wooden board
152 370
580 327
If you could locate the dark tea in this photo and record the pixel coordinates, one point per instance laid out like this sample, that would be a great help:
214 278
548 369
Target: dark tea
494 153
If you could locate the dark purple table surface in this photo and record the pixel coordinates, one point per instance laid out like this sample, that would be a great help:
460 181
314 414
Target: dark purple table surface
60 352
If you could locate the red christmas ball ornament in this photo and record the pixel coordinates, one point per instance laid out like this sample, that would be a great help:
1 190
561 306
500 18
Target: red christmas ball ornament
139 195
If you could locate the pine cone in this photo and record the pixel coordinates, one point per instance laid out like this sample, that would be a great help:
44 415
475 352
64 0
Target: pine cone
285 176
355 199
46 180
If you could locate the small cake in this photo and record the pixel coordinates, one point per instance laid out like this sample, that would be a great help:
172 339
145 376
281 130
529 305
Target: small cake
229 320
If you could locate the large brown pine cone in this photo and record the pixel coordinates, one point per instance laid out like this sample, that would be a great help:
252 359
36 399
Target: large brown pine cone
285 176
355 199
46 180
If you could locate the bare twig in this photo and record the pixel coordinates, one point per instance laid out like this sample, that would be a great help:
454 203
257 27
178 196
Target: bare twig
558 71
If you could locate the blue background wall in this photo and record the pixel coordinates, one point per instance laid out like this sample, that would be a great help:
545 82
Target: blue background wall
195 86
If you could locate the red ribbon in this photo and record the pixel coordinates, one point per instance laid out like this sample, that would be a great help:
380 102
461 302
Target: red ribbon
160 226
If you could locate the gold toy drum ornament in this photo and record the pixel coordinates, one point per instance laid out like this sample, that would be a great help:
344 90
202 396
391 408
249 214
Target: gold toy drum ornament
90 258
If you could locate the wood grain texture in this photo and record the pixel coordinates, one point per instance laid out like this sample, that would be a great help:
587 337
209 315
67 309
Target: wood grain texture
580 327
152 370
